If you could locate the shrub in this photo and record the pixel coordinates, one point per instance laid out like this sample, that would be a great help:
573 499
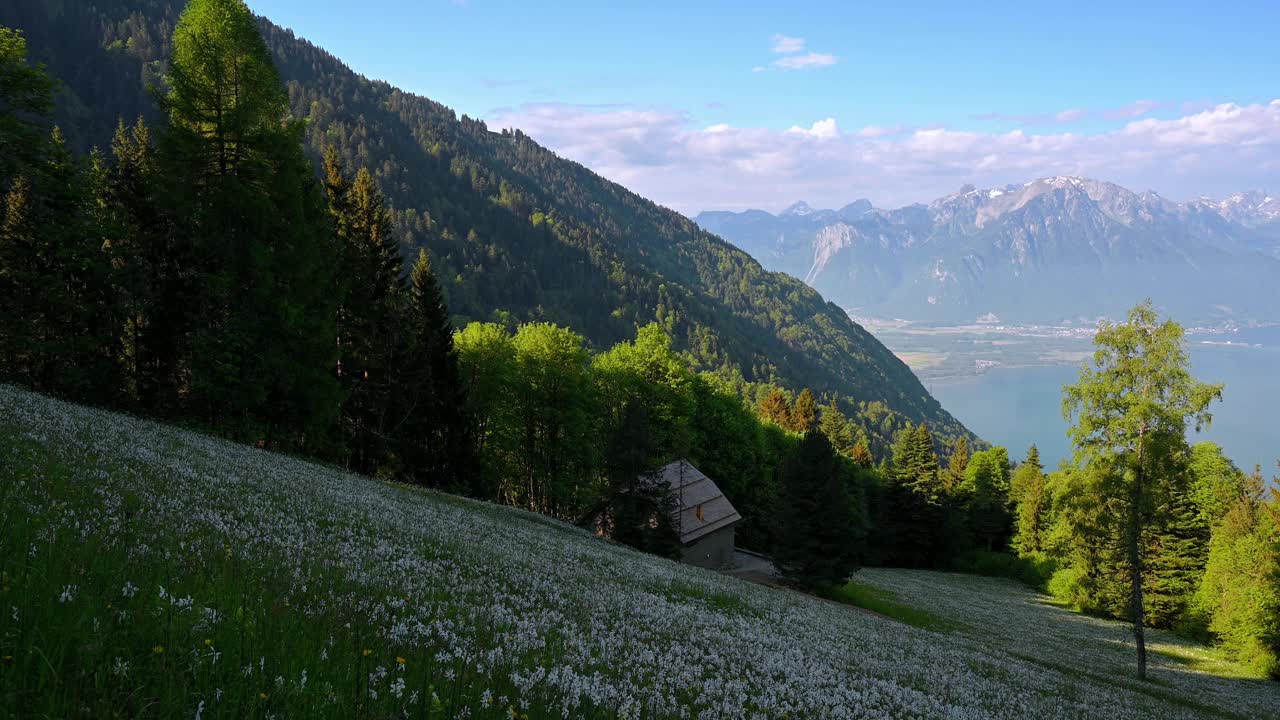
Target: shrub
1033 570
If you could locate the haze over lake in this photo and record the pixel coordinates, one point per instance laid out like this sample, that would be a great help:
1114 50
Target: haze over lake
1016 406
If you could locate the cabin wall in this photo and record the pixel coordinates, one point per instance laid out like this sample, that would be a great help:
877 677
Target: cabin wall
713 550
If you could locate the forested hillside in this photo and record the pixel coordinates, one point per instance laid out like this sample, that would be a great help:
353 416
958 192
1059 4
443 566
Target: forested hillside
517 233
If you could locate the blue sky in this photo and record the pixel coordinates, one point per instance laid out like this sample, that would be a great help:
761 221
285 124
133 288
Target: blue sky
628 88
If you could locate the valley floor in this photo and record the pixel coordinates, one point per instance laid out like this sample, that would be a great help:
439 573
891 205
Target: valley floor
152 572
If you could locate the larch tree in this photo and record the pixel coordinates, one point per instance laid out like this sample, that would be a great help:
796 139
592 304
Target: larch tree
262 295
1129 414
804 413
776 409
26 99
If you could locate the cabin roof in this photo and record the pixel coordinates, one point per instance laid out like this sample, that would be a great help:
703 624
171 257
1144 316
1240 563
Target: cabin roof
700 506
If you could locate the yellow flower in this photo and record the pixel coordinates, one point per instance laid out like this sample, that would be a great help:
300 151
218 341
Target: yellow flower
208 642
400 661
159 649
8 658
262 696
367 652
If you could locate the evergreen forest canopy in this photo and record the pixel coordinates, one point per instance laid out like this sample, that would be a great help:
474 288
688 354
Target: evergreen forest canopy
199 269
516 234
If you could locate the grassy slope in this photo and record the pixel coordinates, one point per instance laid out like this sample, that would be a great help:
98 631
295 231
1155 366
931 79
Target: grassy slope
151 572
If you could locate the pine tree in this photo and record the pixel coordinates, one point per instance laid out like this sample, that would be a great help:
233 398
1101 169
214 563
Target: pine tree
836 427
914 500
985 493
957 464
1029 492
862 456
22 276
370 333
432 424
150 262
816 527
54 267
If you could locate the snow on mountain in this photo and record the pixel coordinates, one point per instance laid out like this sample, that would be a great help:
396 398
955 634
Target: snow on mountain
1045 249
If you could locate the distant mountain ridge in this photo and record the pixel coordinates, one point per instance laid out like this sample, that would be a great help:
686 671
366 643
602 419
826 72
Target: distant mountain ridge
1047 250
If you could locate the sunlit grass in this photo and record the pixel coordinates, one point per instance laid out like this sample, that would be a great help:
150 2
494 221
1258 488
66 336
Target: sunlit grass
884 603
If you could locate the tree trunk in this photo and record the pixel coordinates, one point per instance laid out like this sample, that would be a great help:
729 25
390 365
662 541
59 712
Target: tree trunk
1135 563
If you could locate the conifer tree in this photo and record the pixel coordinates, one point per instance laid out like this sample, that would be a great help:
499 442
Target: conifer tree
816 527
836 427
804 413
26 98
957 465
370 334
150 261
432 424
776 409
862 456
1131 408
985 492
262 296
1029 492
914 500
52 264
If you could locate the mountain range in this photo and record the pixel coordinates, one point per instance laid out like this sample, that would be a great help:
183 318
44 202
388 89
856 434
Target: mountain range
1050 250
516 233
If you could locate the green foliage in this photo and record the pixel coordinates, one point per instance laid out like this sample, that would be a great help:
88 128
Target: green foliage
817 525
26 97
554 408
1239 596
1216 483
1028 491
985 491
261 318
431 404
804 414
1032 570
373 366
1131 408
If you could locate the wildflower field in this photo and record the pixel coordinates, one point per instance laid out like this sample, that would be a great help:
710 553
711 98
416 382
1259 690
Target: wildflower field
150 572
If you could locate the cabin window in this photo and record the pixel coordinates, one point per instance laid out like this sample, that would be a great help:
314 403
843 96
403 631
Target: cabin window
697 512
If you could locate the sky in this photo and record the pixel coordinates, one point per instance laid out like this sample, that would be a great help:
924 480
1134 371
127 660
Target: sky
735 105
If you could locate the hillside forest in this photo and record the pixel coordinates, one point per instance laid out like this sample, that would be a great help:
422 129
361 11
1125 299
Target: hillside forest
203 270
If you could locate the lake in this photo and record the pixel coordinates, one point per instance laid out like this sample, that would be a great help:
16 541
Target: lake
1016 406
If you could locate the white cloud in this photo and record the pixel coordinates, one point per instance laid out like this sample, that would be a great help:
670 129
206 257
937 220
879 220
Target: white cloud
821 129
784 45
806 61
661 155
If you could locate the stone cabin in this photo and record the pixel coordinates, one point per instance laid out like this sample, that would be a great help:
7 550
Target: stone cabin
706 518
